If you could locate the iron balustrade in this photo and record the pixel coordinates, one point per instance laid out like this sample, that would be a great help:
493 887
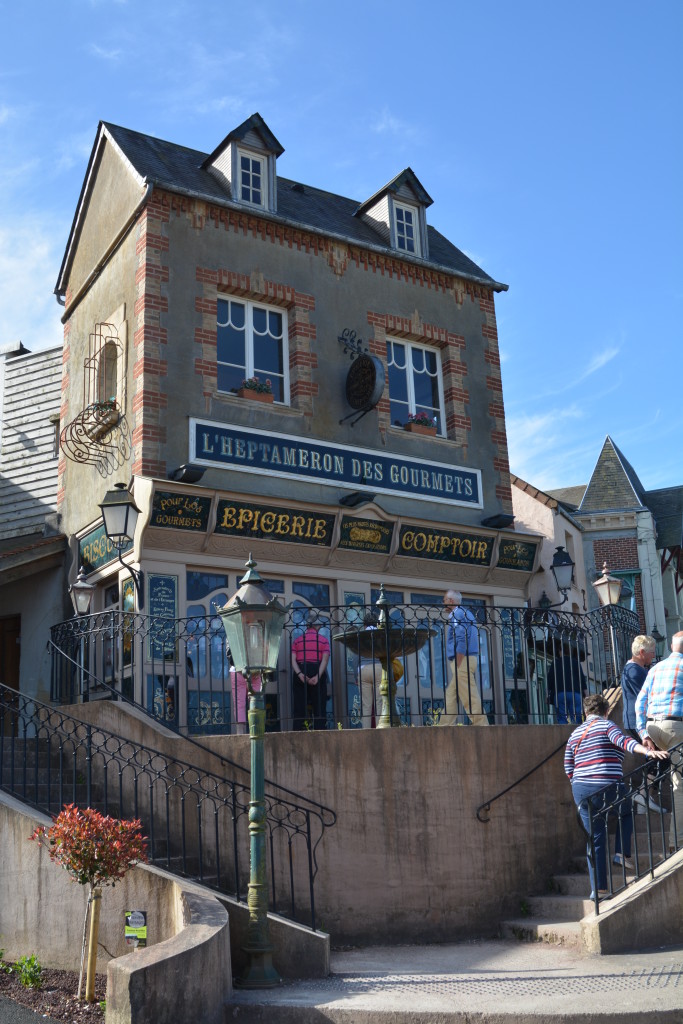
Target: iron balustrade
178 671
196 821
649 848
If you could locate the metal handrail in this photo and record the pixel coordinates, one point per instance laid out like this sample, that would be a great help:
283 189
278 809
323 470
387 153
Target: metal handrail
226 761
49 758
177 669
487 805
634 783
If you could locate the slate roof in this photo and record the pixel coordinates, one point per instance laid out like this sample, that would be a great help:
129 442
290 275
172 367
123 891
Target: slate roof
666 505
570 497
614 484
179 169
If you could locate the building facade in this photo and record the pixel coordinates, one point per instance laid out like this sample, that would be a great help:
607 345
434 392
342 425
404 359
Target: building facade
283 372
32 546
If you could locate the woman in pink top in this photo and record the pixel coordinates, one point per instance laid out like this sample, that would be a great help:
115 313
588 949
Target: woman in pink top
310 658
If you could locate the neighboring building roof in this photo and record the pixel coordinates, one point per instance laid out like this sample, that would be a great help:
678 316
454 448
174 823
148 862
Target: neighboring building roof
179 169
569 496
547 498
666 505
614 484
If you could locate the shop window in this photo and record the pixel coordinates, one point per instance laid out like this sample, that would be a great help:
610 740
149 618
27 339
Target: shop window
415 383
252 342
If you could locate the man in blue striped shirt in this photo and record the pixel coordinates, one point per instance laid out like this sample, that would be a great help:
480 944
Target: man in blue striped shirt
659 721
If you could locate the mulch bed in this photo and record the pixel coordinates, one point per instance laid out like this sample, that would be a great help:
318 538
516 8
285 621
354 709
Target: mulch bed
56 998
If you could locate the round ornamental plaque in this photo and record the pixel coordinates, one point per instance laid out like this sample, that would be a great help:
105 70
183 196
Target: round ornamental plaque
365 382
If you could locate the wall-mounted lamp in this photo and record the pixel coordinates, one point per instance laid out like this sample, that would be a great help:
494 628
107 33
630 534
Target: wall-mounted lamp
563 572
608 588
81 593
120 516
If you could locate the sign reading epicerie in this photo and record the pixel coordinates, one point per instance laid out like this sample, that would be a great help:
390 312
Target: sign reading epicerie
255 451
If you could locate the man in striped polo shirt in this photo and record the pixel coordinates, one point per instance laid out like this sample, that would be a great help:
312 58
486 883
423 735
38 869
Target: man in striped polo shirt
659 721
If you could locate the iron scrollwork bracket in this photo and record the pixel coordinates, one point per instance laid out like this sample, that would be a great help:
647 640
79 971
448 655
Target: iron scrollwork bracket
353 344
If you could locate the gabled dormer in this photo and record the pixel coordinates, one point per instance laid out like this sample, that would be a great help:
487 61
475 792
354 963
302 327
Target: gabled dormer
244 163
398 213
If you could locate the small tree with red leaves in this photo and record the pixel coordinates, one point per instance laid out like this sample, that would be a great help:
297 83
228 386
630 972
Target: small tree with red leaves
96 851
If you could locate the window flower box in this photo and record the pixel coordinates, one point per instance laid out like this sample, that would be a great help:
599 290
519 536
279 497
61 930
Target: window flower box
420 428
256 390
420 423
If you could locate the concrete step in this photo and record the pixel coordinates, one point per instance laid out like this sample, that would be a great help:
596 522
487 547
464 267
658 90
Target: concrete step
573 885
555 931
561 906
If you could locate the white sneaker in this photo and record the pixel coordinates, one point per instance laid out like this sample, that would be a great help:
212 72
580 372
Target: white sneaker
620 860
645 803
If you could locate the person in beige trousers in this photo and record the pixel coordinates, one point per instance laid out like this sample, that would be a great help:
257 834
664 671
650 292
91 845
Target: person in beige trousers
462 648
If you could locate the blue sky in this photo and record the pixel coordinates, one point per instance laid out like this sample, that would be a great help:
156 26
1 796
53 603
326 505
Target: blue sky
548 135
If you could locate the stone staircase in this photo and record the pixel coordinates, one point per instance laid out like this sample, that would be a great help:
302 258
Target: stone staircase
555 916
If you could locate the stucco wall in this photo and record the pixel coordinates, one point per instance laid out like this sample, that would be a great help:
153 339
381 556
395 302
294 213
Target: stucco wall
408 859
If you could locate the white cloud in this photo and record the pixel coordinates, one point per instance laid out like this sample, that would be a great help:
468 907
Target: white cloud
99 51
5 113
74 151
29 264
388 124
598 361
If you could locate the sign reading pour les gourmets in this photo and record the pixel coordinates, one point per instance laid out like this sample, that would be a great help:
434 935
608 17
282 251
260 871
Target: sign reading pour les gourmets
282 455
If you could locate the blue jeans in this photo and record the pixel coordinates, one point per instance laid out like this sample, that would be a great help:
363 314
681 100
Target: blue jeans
586 793
569 707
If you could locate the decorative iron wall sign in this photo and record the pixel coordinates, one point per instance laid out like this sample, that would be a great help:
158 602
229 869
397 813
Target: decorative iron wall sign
180 511
445 546
96 550
268 522
516 554
296 458
365 382
366 535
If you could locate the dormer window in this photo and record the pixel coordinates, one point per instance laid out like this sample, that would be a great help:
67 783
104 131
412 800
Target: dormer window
406 228
397 214
251 178
244 163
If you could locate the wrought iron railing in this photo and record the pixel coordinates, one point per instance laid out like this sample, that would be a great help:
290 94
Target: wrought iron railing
196 821
177 670
614 812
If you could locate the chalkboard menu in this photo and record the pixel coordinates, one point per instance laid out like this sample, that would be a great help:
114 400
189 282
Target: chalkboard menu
366 535
163 610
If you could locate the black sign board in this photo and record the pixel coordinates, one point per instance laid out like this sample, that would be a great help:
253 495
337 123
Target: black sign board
366 535
301 458
445 546
268 522
180 511
516 554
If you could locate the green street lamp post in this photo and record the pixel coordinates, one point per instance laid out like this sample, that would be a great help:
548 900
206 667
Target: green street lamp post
253 621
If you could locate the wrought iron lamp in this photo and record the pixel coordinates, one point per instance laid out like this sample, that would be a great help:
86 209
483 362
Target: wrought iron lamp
608 588
563 572
120 516
81 593
253 621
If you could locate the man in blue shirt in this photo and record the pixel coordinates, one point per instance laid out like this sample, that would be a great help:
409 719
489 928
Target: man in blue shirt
462 648
659 721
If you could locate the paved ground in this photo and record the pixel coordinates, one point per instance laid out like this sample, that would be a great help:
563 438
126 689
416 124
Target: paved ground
478 982
13 1013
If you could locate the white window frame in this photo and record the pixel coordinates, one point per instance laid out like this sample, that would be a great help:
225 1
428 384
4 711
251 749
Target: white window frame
415 215
410 345
250 306
259 158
